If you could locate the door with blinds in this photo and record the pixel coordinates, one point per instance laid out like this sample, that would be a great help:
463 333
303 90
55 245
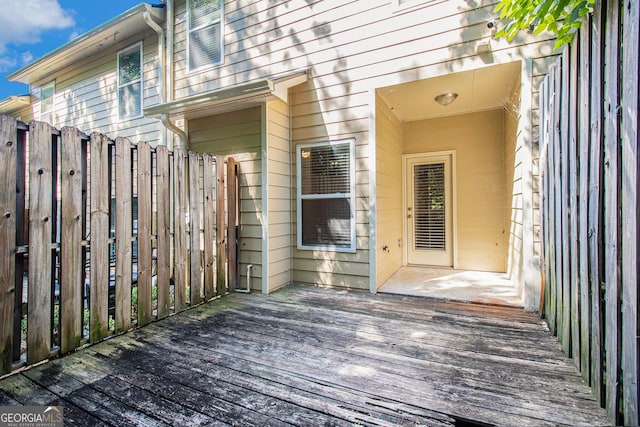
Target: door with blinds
429 210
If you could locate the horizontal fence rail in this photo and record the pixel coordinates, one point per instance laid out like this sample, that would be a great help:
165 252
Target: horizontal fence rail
590 205
99 236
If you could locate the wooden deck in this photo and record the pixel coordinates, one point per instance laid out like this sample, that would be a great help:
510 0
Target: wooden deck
310 356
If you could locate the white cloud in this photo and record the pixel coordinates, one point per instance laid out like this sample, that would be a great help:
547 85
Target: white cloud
26 57
23 21
6 63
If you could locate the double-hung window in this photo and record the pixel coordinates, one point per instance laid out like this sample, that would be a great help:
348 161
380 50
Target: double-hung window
130 82
205 42
47 93
326 196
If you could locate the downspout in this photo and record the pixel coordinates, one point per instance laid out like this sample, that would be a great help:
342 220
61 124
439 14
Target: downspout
164 118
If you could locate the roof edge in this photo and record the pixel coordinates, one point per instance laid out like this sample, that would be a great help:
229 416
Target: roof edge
22 75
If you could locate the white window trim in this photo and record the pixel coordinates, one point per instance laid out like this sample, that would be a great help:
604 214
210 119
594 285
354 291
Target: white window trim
53 102
189 30
132 47
350 196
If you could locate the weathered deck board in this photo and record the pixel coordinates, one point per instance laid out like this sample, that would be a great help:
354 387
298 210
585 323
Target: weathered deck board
311 356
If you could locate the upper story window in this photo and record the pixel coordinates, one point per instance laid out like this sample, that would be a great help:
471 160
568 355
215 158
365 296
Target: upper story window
326 196
205 42
47 95
130 82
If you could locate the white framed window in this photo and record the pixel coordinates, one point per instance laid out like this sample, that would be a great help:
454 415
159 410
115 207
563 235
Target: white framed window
47 96
205 43
130 82
326 203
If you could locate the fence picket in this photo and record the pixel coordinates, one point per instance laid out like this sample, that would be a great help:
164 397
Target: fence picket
572 197
41 221
630 204
221 259
8 214
557 203
71 255
208 168
611 199
180 232
195 266
164 238
596 256
583 208
145 307
99 241
123 235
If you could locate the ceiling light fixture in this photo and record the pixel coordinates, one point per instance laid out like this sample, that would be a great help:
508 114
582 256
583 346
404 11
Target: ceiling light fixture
445 99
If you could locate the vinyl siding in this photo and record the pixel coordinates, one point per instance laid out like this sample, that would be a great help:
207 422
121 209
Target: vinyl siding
278 190
238 134
86 94
389 215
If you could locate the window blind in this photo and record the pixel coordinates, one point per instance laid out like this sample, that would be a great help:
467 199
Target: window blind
429 206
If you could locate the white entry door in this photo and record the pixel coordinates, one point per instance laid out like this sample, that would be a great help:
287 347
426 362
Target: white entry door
429 210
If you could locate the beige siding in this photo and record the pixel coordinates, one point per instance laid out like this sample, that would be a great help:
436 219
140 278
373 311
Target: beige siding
352 48
278 190
479 182
86 94
389 216
238 134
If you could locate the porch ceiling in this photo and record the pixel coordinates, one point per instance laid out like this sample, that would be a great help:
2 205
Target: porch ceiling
478 90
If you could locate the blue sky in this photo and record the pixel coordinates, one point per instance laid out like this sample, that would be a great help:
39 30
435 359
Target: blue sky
30 29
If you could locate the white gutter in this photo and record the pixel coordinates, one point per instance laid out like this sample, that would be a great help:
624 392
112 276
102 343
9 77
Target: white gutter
163 88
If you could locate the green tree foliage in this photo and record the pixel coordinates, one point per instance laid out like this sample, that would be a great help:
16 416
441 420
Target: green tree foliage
562 17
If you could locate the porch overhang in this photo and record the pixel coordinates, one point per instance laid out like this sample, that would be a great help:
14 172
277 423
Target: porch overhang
230 98
14 103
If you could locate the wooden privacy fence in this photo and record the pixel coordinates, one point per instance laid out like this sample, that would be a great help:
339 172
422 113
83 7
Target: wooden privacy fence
590 205
99 236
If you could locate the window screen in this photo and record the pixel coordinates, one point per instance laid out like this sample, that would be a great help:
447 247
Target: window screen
130 82
326 196
205 33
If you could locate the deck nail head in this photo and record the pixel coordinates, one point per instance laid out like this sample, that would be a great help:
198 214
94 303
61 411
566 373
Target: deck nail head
7 215
9 143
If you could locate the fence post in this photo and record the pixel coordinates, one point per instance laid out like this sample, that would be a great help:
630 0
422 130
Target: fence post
232 224
220 228
8 156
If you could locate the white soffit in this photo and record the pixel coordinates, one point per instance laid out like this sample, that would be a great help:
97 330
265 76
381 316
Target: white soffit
482 89
14 103
230 98
108 34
